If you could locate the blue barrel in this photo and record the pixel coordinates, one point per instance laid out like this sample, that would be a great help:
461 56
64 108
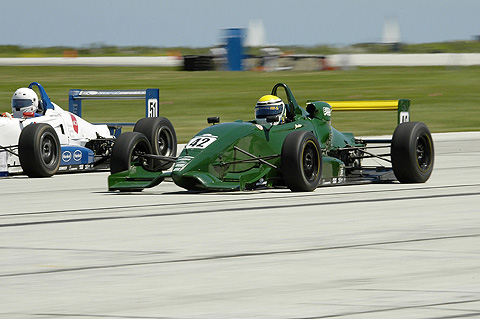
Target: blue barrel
234 38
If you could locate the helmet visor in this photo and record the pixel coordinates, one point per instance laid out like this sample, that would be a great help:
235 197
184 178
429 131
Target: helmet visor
263 111
19 103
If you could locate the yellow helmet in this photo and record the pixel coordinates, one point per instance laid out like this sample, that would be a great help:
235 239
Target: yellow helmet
267 106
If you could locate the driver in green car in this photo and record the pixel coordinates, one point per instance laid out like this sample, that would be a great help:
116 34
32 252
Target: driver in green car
269 106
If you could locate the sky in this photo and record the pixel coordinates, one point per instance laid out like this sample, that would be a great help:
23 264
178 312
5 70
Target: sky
199 23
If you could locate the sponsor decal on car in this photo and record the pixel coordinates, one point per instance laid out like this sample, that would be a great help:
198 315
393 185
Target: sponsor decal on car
74 123
327 111
181 162
66 156
77 155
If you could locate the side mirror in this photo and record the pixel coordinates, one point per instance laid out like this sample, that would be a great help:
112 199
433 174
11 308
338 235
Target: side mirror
213 120
311 110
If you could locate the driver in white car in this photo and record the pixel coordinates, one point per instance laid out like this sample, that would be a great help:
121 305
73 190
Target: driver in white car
24 104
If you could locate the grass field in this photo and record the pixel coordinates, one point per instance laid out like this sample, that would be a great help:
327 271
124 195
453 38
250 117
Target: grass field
445 99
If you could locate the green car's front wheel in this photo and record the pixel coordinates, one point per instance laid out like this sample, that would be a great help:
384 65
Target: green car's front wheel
127 151
301 161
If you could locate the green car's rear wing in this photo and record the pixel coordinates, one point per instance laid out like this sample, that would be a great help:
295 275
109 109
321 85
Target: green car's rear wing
402 107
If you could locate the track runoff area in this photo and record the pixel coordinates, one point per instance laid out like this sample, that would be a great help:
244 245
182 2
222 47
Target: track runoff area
69 248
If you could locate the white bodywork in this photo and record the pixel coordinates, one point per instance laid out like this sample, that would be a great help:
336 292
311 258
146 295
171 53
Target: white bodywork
71 130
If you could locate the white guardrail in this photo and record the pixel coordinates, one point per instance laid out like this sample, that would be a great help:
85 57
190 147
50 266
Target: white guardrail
398 59
95 61
338 60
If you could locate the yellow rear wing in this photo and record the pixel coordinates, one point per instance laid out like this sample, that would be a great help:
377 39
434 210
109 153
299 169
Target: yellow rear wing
402 107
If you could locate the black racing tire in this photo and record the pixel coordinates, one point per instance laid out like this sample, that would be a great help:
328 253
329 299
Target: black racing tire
39 150
301 161
126 149
412 152
161 135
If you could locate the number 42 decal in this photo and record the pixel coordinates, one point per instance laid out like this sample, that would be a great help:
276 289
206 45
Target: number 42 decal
201 141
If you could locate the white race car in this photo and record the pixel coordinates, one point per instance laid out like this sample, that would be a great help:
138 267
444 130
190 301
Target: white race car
49 139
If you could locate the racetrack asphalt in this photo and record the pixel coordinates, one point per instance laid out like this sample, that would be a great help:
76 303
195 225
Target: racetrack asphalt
70 249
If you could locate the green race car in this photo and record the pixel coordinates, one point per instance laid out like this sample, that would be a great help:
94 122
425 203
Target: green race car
302 151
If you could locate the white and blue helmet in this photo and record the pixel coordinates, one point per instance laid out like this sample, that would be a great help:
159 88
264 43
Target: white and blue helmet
24 100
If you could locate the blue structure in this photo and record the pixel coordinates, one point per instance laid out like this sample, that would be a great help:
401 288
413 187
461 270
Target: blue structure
234 39
151 97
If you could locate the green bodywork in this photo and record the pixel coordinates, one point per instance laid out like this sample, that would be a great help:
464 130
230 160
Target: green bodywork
245 155
224 164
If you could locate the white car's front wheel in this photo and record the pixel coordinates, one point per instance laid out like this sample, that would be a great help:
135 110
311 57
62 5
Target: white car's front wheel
39 150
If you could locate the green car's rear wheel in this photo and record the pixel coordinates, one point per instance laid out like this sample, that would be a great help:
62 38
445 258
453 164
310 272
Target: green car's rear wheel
412 152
